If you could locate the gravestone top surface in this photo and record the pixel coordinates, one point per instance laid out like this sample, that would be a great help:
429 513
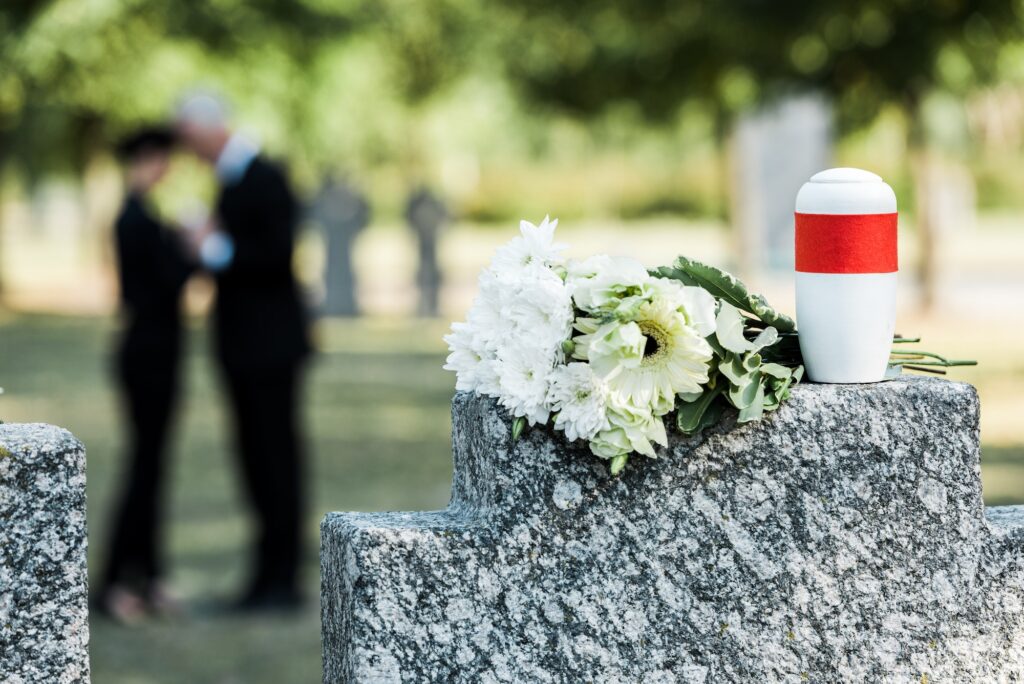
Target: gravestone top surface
44 629
842 538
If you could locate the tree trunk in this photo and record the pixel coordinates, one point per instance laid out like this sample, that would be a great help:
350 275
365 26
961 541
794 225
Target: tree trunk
743 261
921 170
4 145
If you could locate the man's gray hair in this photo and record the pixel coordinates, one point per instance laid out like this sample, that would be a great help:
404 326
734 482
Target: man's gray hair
202 108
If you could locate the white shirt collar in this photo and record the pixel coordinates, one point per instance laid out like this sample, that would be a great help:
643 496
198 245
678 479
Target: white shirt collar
235 158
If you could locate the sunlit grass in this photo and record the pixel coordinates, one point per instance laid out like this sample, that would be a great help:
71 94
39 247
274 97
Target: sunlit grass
378 417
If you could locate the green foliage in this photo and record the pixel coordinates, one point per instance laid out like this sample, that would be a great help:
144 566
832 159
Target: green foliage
756 366
733 55
76 75
727 288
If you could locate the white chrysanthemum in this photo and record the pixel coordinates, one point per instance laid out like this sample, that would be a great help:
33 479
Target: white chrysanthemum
523 375
602 282
578 396
515 330
542 314
631 428
473 363
649 360
535 247
488 318
463 358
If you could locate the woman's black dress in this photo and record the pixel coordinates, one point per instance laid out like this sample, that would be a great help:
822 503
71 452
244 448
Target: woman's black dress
153 271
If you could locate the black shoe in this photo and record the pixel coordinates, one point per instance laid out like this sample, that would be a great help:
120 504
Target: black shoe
270 600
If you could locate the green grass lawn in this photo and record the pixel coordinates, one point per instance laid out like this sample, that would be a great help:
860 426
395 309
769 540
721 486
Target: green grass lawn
378 418
377 413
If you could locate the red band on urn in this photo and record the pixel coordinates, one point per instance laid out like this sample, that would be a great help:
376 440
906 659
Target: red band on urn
846 243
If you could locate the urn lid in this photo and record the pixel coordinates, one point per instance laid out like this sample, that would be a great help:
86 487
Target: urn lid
845 191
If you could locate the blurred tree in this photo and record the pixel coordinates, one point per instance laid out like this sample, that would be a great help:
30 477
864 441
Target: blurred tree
583 56
72 74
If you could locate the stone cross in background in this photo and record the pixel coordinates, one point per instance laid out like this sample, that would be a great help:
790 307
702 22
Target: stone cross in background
342 212
44 615
842 538
776 149
426 215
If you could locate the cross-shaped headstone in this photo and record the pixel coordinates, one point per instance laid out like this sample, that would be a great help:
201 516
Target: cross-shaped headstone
342 212
842 538
427 214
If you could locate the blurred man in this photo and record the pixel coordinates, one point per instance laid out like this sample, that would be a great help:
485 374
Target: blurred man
153 270
261 338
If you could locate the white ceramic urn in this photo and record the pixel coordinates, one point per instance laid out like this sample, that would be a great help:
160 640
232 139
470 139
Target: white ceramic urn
846 273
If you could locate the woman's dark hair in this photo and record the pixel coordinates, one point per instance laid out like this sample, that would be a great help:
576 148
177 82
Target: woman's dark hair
144 141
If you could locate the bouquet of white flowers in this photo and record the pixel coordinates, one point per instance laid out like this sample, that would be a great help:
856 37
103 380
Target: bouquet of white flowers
604 349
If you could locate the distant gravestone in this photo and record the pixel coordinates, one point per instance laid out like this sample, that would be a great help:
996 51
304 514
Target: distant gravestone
44 618
776 149
342 212
426 215
841 539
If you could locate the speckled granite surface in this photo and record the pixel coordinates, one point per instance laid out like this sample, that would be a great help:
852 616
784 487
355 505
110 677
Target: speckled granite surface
842 539
44 628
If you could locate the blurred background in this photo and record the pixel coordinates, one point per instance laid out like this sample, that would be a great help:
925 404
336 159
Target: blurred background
419 132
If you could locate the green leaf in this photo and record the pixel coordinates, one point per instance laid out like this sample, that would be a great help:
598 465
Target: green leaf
729 325
618 463
760 307
690 397
765 338
755 409
733 369
776 370
741 396
690 418
752 361
712 415
728 288
518 425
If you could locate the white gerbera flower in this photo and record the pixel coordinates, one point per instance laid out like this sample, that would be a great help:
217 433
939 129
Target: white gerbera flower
523 375
535 247
602 282
696 303
579 398
649 360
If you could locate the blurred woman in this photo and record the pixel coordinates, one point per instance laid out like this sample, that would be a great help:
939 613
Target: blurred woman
153 269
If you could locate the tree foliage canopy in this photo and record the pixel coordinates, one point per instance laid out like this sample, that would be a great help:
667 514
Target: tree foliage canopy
74 73
583 55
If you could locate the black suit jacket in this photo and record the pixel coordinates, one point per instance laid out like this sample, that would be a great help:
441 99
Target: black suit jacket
153 269
260 320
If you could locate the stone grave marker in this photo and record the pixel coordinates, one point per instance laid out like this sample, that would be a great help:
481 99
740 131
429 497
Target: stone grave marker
842 538
44 614
776 149
427 214
342 212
